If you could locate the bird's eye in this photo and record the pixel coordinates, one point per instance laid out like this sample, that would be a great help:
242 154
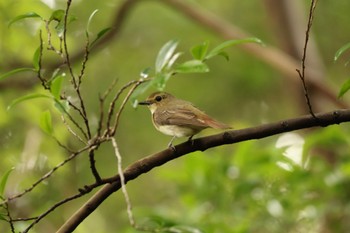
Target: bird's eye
158 98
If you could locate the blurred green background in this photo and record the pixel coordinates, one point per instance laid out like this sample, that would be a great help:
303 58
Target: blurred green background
297 182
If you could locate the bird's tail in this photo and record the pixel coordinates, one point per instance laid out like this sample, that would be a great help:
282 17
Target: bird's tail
217 125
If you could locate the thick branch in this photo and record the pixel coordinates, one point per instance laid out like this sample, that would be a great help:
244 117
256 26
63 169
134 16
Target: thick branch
148 163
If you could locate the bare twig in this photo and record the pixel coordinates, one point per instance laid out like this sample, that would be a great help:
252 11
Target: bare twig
93 165
72 131
24 219
86 58
102 99
75 83
46 176
122 181
81 113
63 146
42 80
121 108
51 209
113 102
49 42
302 72
9 220
65 45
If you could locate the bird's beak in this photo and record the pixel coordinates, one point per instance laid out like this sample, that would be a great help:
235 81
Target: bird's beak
145 103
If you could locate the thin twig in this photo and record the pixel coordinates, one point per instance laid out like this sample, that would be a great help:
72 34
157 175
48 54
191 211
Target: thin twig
82 71
72 131
86 58
76 84
122 180
44 177
65 44
121 108
42 80
102 101
93 165
81 113
10 220
302 72
116 97
24 219
49 42
52 208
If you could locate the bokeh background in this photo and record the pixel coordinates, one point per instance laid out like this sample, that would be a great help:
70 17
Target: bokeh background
296 182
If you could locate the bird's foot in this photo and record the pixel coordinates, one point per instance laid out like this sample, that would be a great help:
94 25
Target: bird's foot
170 145
190 140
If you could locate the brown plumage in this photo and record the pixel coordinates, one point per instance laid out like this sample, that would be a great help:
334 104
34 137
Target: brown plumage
178 118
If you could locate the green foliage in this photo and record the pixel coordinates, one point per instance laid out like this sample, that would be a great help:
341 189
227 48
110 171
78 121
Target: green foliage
15 71
340 51
346 86
25 98
166 65
24 16
46 122
100 34
59 16
37 58
3 182
56 86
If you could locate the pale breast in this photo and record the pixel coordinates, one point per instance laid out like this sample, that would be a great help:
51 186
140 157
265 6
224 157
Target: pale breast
177 131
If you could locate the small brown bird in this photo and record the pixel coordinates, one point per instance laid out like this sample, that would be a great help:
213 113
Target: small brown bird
178 118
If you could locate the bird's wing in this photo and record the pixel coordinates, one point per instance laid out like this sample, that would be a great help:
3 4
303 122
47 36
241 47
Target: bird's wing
180 117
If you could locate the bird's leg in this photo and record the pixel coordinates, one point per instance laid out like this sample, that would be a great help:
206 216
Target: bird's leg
190 140
170 145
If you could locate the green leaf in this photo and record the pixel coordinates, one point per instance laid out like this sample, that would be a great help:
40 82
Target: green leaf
56 86
3 217
165 54
344 88
46 122
62 106
100 35
139 91
192 66
15 71
25 98
219 49
341 51
145 72
89 22
160 80
200 51
57 15
3 181
36 58
24 16
173 59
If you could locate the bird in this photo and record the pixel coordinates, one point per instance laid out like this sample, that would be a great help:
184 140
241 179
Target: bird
178 118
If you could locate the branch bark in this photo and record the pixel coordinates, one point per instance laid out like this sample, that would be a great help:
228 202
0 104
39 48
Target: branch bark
201 144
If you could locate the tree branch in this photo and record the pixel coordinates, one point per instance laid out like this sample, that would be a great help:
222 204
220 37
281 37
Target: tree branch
302 71
201 144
